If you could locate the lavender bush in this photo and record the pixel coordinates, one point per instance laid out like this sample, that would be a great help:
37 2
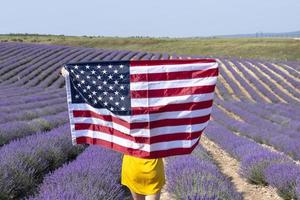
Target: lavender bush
258 164
298 188
242 81
285 141
95 174
279 94
28 106
253 80
47 95
42 79
24 162
196 176
285 180
18 129
253 166
34 113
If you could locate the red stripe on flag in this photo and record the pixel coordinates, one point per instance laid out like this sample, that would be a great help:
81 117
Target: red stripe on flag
134 63
108 118
136 152
172 107
169 122
172 91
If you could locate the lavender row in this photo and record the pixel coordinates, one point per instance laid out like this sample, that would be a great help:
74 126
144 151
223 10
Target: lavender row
292 92
269 83
258 121
196 176
9 49
286 79
45 95
18 73
223 91
236 90
19 59
293 95
17 49
11 57
40 69
281 142
26 55
53 71
85 55
258 164
95 174
285 110
33 113
24 162
28 72
29 106
113 54
258 85
251 79
20 91
14 91
298 189
243 83
54 76
291 67
285 122
19 129
17 56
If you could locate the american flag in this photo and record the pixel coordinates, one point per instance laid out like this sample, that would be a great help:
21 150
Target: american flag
147 108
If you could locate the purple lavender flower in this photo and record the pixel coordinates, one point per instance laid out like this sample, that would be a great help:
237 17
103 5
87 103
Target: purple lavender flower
95 174
18 129
283 176
24 162
253 166
196 176
298 188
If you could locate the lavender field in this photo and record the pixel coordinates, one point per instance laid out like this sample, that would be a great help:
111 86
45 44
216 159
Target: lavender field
255 124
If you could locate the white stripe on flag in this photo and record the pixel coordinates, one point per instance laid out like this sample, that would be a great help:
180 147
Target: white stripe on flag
147 117
173 83
143 132
171 68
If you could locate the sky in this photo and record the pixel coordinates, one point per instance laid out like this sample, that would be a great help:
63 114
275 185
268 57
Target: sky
164 18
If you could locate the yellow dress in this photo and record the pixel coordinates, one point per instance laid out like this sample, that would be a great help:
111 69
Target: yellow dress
143 176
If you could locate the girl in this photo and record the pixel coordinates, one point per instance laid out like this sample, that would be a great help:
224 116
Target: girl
144 177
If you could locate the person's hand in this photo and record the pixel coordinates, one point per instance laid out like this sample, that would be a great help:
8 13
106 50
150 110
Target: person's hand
64 72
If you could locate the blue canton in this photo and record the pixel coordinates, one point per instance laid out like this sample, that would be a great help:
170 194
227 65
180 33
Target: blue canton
101 85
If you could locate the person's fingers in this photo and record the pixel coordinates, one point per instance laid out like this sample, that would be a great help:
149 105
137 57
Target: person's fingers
63 71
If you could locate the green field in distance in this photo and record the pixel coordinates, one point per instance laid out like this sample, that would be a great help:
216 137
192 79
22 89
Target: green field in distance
282 49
